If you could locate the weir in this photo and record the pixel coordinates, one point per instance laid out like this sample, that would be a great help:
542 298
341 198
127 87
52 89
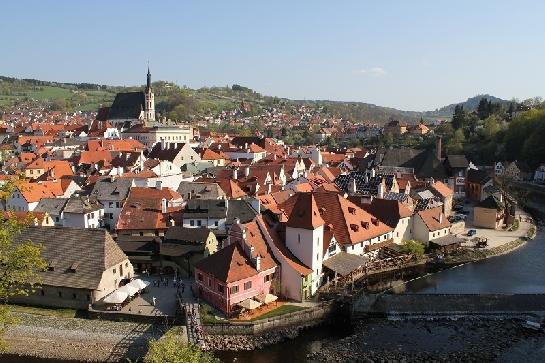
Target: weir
448 305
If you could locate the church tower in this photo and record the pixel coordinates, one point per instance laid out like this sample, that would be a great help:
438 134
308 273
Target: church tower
149 110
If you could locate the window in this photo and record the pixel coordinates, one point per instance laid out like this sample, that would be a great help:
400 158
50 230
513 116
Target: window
192 223
88 297
233 289
317 257
220 288
199 223
42 292
74 296
332 248
141 234
216 223
60 294
114 270
209 282
111 204
199 276
298 238
248 285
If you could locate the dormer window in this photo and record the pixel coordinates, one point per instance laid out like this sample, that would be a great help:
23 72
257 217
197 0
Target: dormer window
352 210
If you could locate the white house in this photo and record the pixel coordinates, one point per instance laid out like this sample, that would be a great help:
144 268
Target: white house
430 224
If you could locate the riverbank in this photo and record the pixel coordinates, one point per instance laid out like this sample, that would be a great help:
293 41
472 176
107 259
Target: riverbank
438 341
79 339
248 342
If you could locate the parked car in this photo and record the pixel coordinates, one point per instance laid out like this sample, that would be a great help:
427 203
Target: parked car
471 232
460 217
456 218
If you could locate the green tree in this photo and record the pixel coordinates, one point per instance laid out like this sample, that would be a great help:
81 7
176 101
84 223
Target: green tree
20 265
458 119
456 144
414 247
170 349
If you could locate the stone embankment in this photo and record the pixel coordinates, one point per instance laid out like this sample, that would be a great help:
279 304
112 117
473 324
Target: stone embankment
248 342
468 255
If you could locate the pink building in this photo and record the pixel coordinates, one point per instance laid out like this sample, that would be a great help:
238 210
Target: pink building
242 270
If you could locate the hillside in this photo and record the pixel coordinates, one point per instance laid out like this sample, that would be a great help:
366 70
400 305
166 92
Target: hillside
185 103
469 105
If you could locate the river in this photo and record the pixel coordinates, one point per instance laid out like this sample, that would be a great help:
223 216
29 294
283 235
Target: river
519 272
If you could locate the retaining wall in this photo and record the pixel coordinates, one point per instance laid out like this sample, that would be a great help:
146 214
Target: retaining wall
301 319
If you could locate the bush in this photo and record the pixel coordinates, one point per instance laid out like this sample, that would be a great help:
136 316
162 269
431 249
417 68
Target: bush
170 349
515 225
531 232
413 247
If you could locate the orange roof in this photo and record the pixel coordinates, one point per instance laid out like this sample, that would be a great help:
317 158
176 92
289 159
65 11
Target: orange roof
256 148
143 209
434 219
33 192
92 157
304 212
280 245
350 223
442 189
232 263
115 145
211 155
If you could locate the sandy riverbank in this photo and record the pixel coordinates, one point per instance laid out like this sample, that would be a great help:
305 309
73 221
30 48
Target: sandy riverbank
79 339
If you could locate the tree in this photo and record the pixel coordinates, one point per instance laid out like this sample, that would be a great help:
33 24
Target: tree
170 349
20 263
456 144
413 247
458 119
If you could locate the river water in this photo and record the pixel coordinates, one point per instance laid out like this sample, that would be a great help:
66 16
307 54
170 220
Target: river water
519 272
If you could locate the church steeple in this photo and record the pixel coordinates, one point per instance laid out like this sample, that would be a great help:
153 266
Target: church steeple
148 84
149 109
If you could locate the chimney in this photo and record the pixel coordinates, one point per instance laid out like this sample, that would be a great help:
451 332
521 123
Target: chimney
158 185
352 185
269 188
438 147
247 171
380 193
235 173
164 205
258 263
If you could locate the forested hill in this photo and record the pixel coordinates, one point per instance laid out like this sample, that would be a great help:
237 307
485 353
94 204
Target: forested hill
185 103
470 104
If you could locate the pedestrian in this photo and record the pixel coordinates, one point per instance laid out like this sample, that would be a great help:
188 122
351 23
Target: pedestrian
174 282
153 301
183 287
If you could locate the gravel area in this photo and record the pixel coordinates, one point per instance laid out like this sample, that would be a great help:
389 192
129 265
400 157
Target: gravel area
434 341
79 339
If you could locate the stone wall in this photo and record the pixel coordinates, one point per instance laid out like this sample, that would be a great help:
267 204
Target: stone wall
304 318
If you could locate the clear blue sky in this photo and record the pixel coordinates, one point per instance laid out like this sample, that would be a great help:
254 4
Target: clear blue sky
413 55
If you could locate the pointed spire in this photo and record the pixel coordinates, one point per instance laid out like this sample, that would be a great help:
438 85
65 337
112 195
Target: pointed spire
148 84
